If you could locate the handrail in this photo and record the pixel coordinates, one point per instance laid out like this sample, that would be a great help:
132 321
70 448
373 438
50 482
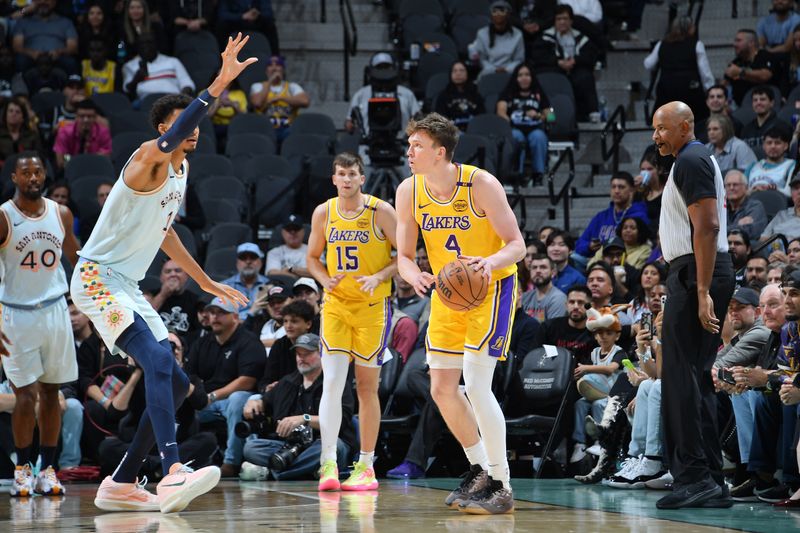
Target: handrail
323 17
777 236
564 192
615 126
350 41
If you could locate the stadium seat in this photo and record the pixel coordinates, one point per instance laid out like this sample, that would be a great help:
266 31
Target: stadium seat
303 145
112 103
202 67
320 184
545 389
398 416
494 83
227 234
218 211
147 102
314 123
257 46
435 86
274 200
433 42
222 188
554 83
195 42
83 192
203 165
124 144
251 123
430 64
221 262
130 120
44 101
253 169
498 130
415 24
206 144
187 238
565 127
773 201
249 145
470 7
464 29
88 164
418 7
476 150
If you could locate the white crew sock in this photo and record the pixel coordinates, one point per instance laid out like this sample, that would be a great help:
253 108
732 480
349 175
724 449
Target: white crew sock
476 455
366 458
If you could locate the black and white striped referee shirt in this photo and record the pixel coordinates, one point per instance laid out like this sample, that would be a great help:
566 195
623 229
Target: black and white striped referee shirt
694 175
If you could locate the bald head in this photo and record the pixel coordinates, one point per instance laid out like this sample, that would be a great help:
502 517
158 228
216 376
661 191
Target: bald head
673 127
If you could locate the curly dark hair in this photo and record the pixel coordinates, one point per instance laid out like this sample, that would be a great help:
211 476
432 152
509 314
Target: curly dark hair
164 106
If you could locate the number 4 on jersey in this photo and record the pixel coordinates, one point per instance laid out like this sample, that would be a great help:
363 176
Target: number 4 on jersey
452 245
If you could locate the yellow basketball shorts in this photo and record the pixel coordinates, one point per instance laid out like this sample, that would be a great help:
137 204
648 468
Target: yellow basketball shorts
359 329
485 329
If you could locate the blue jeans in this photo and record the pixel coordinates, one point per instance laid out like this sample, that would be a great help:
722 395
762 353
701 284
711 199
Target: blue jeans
71 429
258 452
582 408
744 405
230 410
646 436
773 438
536 142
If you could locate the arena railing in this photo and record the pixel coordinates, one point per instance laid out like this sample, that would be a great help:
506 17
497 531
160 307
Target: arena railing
350 33
564 194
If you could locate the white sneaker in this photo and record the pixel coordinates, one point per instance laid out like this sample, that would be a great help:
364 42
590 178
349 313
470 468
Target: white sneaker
594 449
578 453
23 482
251 472
48 484
183 484
645 470
662 483
623 478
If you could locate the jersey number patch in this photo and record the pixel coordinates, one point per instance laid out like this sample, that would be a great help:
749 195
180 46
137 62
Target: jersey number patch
47 259
347 258
452 245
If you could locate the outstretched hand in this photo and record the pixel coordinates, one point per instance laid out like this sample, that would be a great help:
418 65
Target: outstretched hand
226 293
231 66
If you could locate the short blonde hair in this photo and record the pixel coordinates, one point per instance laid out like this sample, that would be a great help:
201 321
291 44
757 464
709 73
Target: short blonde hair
441 129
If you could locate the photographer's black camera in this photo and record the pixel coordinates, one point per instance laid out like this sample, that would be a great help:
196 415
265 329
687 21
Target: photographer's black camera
260 425
297 441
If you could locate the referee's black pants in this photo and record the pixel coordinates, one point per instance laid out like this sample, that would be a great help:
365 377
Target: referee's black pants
688 402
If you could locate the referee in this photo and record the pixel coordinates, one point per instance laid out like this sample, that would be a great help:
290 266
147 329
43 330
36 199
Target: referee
699 286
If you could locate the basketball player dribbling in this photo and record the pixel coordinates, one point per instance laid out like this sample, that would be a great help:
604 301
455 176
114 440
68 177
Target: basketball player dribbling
135 222
463 213
359 232
36 334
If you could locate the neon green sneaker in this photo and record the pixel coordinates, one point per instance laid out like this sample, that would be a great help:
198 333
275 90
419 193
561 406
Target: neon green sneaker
362 478
329 476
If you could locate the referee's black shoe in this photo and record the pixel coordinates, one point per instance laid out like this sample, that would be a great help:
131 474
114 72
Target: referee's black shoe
694 495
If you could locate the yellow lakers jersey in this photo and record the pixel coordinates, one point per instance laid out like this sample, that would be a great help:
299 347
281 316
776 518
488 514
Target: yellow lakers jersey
356 247
455 227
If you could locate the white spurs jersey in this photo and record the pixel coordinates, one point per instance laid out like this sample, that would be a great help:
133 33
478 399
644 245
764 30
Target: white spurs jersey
132 225
30 257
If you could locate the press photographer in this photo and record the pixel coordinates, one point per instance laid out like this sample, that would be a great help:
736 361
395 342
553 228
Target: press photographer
286 422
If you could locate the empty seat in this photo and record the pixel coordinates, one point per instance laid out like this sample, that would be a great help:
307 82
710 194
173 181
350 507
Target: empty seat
773 201
430 64
554 83
316 123
249 145
494 83
300 145
112 103
124 144
252 170
194 42
218 211
44 101
88 164
415 24
435 86
274 200
130 120
320 184
470 7
251 123
435 43
464 29
257 46
203 165
83 192
418 7
476 150
221 262
147 102
187 238
206 144
498 130
565 127
228 234
221 187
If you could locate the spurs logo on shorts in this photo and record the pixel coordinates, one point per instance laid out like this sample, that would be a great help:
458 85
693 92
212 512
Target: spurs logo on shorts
100 295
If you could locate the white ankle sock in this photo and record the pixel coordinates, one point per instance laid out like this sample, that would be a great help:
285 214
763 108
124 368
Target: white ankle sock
476 455
366 458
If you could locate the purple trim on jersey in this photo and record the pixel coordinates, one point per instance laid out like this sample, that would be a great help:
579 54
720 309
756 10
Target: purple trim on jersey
502 317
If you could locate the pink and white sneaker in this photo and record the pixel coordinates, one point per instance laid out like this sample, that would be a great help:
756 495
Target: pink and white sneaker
182 485
113 496
362 478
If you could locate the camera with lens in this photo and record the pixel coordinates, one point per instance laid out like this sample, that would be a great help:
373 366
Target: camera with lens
259 425
297 441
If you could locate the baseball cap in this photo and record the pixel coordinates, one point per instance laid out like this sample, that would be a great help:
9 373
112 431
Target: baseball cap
249 248
500 4
791 280
616 242
293 221
381 58
306 282
278 59
228 307
75 79
746 296
309 341
278 292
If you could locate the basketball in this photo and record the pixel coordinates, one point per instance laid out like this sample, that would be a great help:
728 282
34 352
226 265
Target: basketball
460 287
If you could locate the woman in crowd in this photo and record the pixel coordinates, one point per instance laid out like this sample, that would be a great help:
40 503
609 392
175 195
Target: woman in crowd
460 100
16 134
136 20
634 233
498 47
729 150
96 24
525 106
